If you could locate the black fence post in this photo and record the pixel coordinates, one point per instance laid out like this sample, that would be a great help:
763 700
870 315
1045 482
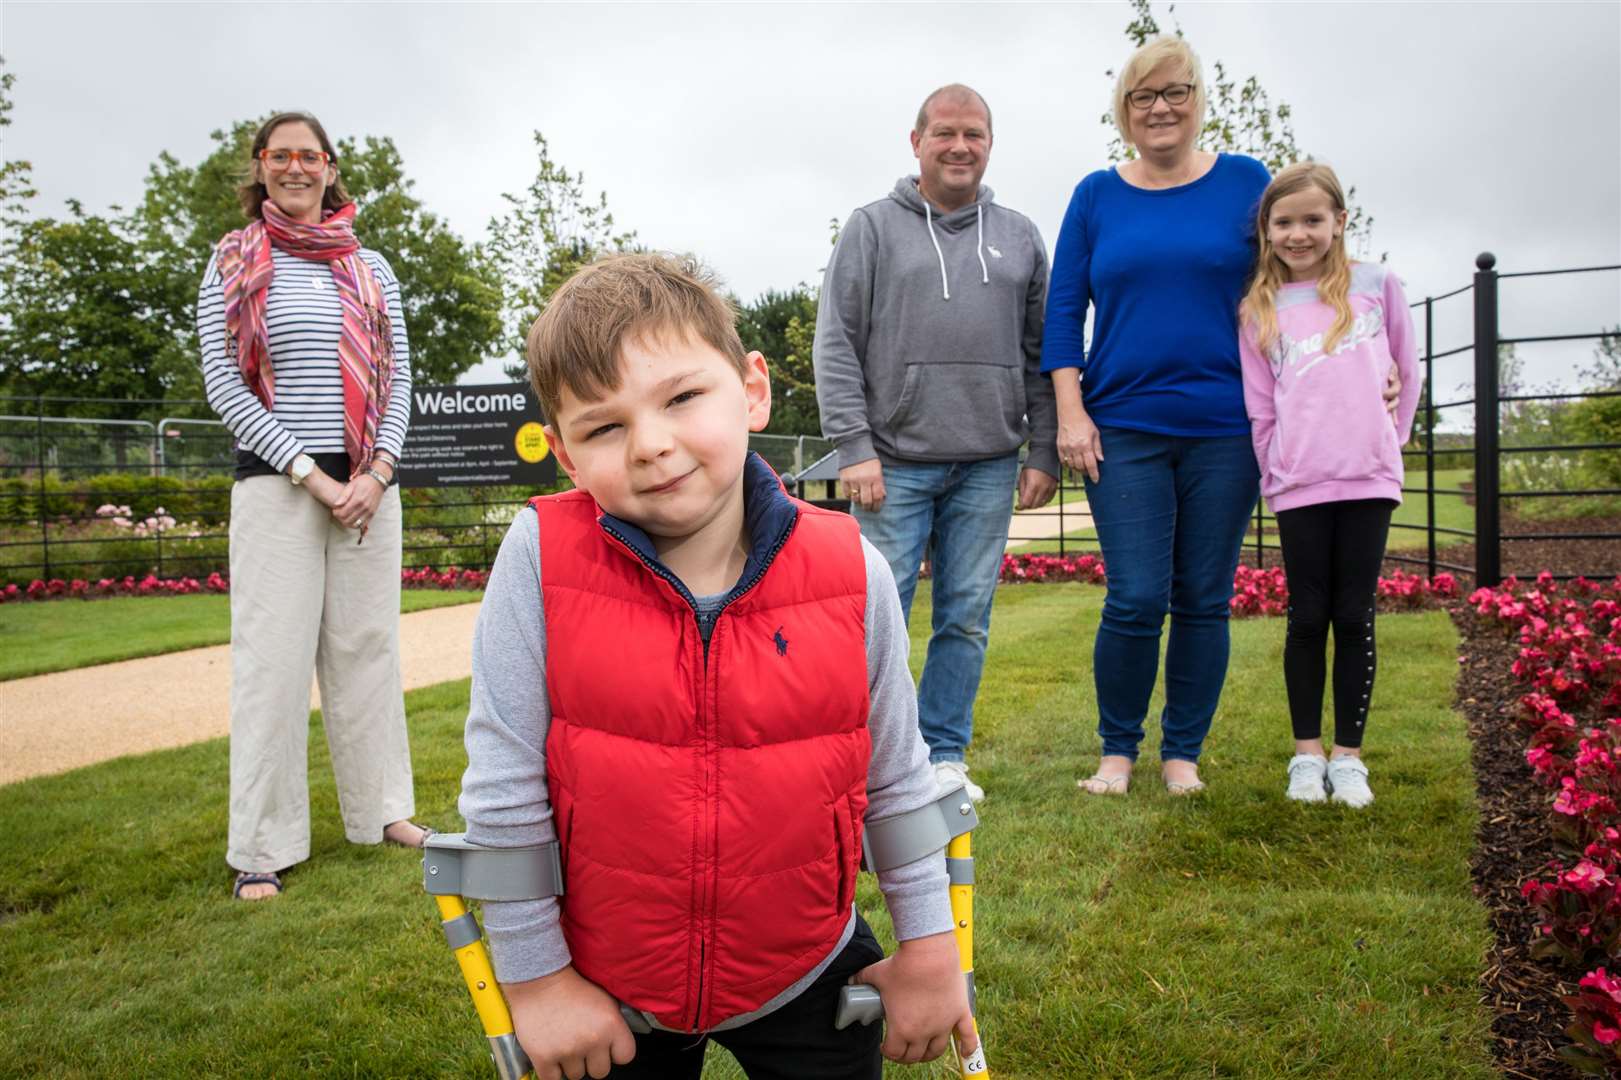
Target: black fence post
1488 524
1062 497
1429 424
1260 533
44 509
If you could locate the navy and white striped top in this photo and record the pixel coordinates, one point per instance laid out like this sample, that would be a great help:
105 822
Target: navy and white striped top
304 319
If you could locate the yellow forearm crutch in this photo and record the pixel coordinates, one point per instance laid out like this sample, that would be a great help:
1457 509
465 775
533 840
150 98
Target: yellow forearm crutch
453 868
960 861
511 1063
904 838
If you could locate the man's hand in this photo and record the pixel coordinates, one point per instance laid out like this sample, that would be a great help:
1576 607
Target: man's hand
1080 447
864 483
569 1026
925 999
1392 390
1036 489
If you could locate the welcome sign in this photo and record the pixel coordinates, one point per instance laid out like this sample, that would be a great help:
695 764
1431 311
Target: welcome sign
472 435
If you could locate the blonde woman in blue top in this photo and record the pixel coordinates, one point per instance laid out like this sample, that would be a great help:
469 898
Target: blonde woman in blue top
1152 413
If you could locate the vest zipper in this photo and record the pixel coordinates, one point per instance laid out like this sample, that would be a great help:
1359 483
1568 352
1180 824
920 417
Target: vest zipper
705 916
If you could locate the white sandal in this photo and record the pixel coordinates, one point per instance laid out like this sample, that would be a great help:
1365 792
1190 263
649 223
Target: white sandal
1099 784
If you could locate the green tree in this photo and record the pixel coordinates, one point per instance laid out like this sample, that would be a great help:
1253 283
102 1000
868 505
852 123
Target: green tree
1598 419
81 315
16 177
1240 118
782 325
549 231
450 290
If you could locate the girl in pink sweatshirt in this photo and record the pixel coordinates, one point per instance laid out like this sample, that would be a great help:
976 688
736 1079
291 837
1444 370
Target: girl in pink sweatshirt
1317 335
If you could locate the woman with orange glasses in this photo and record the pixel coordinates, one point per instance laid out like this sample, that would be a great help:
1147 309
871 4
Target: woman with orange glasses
305 361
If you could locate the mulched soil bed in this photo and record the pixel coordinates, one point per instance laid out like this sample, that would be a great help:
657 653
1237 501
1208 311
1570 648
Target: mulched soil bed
1513 843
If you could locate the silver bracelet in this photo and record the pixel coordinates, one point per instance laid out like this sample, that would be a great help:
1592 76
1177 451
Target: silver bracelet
377 476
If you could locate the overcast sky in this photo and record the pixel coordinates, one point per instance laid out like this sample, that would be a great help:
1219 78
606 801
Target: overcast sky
737 131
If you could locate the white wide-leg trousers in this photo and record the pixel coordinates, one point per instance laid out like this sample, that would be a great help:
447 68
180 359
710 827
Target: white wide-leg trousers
304 595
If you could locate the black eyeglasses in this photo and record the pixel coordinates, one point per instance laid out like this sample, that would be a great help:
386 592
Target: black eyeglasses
1175 94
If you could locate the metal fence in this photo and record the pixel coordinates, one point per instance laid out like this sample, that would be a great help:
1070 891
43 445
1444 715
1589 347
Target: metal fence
68 465
104 496
1061 528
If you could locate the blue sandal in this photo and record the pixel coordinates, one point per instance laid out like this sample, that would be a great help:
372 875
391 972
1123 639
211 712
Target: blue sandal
243 877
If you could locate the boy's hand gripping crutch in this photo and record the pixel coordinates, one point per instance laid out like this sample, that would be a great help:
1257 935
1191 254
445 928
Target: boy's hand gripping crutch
454 871
904 838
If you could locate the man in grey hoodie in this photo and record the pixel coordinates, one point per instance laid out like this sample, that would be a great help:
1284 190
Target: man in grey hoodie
927 357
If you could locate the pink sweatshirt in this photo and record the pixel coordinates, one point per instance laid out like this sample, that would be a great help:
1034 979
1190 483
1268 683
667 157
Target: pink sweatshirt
1318 420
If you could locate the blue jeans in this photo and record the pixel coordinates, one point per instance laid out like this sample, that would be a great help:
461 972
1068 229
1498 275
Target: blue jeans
1171 514
959 512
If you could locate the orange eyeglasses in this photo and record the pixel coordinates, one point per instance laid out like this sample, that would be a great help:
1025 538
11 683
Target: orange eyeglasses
280 160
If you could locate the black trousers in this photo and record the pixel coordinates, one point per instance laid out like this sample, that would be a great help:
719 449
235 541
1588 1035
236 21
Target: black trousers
795 1042
1331 555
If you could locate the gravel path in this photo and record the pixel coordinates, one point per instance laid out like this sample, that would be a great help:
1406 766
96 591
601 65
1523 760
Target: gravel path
52 723
1031 525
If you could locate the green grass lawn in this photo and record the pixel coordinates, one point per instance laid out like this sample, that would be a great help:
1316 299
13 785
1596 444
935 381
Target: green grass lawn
1234 935
1451 512
57 635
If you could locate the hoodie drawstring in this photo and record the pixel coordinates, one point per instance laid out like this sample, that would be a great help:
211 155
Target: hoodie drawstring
928 217
979 223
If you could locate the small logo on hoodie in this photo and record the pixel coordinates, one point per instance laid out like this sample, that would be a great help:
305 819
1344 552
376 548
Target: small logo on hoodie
992 249
781 642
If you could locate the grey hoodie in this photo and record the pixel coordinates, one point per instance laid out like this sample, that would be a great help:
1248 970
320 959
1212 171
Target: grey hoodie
928 334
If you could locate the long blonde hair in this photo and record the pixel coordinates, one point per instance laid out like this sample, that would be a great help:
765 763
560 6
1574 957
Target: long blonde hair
1259 309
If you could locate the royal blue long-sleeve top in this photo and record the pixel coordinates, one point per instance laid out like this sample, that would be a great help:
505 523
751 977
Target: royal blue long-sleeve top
1164 271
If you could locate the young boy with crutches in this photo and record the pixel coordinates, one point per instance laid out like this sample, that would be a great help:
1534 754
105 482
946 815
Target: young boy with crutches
696 687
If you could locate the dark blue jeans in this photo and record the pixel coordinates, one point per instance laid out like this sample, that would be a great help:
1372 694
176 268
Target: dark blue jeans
1171 514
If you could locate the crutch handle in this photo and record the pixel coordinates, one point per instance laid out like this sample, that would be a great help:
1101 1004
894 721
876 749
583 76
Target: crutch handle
511 1063
635 1020
857 1005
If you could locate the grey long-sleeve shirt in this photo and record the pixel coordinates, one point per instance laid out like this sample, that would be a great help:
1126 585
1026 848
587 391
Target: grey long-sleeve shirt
504 797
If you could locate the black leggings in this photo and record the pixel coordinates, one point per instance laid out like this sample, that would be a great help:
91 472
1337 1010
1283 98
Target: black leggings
1331 553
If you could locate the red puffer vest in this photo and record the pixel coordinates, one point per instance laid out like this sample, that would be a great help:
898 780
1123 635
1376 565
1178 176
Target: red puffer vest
709 811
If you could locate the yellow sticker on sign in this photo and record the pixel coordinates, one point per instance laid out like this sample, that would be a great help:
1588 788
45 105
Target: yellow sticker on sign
531 443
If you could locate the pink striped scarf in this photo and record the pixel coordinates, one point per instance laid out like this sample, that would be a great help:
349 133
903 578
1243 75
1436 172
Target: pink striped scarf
366 345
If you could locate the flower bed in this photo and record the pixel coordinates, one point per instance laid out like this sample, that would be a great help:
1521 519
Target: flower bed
422 577
1569 662
1255 592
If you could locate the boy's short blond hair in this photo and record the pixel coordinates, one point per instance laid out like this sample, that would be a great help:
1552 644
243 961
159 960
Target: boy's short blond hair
579 339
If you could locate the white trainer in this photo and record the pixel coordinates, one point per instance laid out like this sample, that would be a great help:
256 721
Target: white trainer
1306 772
1348 781
954 774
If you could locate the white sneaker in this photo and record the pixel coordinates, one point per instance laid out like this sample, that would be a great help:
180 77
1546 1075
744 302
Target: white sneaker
954 774
1348 781
1306 772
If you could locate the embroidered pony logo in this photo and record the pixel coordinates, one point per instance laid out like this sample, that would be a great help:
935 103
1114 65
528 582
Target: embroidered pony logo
992 249
781 642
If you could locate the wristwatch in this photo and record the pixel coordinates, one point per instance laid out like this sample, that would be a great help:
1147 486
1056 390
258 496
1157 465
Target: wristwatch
300 469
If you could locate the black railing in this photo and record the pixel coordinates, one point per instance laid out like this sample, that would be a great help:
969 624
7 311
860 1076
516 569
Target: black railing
60 457
59 466
1485 452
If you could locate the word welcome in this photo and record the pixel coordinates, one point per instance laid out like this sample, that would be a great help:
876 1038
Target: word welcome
451 403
